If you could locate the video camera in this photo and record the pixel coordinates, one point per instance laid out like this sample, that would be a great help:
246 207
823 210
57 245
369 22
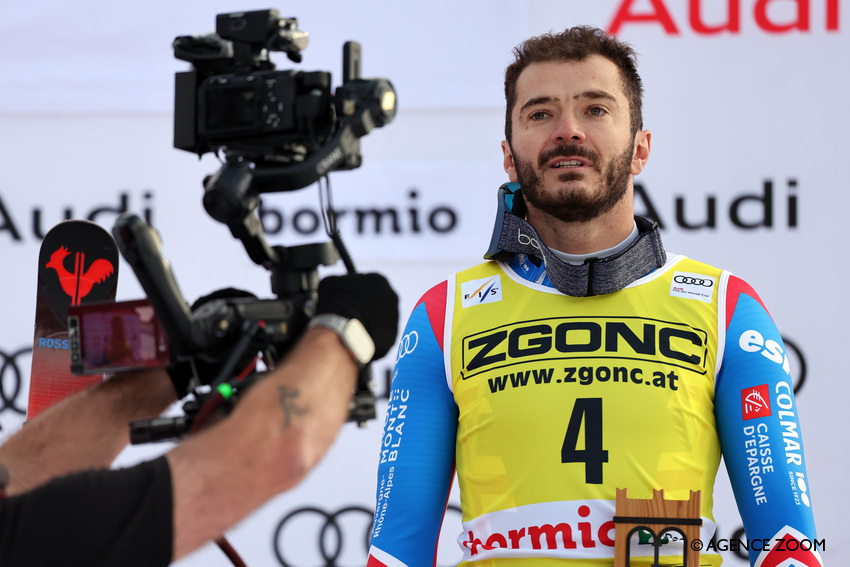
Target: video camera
275 130
287 123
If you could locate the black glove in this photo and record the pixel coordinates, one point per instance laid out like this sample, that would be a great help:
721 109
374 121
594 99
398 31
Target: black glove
205 366
367 298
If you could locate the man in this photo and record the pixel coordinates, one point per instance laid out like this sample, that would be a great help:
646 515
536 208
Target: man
582 358
160 511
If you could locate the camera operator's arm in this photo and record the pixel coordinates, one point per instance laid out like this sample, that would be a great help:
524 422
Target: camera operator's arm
84 431
283 425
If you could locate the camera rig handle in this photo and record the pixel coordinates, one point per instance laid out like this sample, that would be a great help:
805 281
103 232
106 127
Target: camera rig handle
294 280
141 247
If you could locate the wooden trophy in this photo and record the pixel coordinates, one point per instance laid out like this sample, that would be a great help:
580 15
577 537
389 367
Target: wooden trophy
656 516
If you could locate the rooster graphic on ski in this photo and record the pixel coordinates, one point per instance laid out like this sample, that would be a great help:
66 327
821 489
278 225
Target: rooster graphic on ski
77 264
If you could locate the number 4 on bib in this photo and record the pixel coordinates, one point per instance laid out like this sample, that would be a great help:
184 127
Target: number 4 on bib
587 412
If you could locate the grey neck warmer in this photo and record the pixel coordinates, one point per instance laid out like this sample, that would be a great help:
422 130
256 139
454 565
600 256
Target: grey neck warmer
596 276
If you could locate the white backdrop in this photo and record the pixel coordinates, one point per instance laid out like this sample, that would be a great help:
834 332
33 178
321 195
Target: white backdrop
756 111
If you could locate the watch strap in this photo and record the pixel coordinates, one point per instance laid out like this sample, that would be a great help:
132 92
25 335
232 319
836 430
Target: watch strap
351 332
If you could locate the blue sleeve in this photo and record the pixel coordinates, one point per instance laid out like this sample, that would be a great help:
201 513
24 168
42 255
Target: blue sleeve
760 434
417 448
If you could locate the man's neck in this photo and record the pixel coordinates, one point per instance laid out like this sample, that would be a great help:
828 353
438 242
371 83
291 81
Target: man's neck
601 233
579 259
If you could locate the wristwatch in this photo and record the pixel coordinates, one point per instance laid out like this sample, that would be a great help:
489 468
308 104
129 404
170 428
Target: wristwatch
351 332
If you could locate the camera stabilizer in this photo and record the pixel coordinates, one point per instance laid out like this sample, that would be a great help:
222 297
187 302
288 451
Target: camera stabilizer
277 131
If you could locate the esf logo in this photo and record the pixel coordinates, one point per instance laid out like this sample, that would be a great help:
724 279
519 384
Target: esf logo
648 340
786 353
753 341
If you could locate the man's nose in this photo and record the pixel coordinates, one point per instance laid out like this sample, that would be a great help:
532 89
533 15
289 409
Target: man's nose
568 130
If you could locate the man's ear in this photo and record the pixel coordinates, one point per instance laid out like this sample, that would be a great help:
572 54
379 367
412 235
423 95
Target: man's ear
643 141
508 163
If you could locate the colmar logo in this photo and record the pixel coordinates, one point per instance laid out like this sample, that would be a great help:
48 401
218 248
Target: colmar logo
476 292
755 402
78 283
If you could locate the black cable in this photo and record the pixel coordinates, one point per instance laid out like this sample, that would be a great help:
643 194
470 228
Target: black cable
331 229
230 552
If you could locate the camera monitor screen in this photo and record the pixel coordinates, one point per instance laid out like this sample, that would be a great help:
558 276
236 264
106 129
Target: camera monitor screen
110 337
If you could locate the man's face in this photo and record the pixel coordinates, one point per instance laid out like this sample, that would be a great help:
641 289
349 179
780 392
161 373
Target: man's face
572 150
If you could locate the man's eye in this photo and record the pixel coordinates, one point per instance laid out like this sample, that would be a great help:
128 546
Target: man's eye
597 111
539 115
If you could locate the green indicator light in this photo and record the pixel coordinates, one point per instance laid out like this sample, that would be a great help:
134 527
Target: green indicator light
226 390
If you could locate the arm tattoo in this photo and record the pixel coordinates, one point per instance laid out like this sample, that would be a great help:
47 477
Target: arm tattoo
287 399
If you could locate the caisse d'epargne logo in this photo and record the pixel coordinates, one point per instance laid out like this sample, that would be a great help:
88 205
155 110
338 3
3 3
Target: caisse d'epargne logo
755 402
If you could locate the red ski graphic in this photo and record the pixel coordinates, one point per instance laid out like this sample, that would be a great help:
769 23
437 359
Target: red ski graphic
79 283
77 264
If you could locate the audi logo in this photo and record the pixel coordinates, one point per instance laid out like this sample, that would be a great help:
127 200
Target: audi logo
694 281
312 536
798 367
12 393
407 344
329 530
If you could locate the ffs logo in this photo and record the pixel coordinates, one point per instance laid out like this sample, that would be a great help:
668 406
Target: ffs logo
79 283
77 263
476 292
755 402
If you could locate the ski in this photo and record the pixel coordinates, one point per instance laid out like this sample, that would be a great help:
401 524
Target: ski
77 265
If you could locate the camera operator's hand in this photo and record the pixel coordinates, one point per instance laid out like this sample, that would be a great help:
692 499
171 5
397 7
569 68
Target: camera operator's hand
370 299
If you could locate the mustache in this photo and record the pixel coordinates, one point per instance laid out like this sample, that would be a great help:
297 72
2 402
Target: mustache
568 150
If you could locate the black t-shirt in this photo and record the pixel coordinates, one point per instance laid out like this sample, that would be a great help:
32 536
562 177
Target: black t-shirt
117 517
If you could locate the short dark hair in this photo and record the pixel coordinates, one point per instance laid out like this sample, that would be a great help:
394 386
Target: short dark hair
576 44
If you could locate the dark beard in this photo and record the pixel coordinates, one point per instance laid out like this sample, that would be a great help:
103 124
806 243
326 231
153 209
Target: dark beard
568 205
